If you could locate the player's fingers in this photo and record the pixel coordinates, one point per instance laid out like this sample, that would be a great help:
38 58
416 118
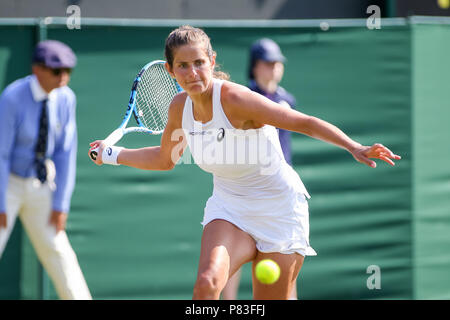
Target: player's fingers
383 154
382 149
378 145
390 155
95 154
371 164
95 143
386 159
378 150
367 161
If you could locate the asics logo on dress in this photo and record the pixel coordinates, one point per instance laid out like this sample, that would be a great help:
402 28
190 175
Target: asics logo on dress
221 134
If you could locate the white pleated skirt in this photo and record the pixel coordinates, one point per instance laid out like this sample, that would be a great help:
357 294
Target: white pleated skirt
280 224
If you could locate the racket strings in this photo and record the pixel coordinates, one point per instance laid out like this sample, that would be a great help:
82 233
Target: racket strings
154 94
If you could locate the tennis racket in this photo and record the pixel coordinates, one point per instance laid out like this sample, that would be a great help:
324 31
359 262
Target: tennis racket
151 94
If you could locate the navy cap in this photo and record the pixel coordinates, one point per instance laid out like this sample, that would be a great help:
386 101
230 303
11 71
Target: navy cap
54 54
267 50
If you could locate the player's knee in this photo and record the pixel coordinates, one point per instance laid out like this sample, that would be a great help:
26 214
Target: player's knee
207 286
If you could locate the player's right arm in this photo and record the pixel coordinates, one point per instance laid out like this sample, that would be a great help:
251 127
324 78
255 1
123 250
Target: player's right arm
162 157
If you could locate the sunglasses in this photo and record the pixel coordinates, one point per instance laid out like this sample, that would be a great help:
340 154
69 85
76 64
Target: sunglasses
58 71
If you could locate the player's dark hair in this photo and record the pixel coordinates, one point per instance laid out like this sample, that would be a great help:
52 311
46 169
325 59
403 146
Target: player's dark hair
189 35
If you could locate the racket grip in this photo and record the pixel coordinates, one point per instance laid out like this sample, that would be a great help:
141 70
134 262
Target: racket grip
111 140
94 153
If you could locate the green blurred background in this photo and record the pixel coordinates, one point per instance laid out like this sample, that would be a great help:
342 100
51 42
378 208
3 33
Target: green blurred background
137 233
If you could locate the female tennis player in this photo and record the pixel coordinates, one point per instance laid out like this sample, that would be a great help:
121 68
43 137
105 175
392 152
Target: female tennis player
258 209
265 72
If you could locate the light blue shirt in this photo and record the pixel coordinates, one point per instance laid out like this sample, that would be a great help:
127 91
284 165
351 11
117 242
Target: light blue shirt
20 108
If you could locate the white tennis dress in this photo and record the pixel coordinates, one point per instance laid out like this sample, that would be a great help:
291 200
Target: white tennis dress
254 186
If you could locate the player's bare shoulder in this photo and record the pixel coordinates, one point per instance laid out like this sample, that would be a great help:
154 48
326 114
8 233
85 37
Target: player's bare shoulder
234 97
177 106
233 94
238 102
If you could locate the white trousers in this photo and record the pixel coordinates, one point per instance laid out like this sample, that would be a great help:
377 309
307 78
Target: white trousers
32 202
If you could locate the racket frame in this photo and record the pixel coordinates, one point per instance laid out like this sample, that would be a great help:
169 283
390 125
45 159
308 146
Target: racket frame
117 134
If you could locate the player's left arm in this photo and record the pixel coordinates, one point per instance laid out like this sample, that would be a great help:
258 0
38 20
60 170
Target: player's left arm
245 105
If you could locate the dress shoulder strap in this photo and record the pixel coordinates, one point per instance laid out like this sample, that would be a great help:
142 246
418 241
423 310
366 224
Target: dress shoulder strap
220 118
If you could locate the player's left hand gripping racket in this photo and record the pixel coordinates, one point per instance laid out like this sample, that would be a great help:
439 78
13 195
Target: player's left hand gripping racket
152 92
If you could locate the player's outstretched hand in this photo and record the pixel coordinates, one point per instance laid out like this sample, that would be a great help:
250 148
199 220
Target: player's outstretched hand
363 154
97 144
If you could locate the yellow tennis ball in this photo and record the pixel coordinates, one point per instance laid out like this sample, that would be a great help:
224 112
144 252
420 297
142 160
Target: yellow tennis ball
267 271
444 4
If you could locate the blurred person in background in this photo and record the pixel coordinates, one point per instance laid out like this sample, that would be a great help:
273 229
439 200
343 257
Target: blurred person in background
38 146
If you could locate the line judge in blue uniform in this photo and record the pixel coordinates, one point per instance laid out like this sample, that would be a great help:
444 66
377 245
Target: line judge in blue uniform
38 146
